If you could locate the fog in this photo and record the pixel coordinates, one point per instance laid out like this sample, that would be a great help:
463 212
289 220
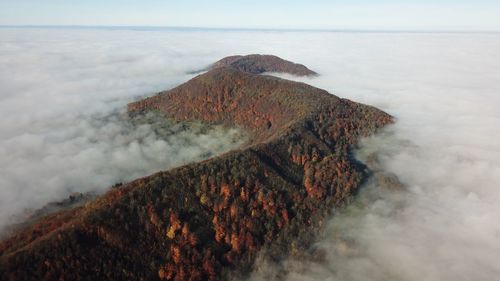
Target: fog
445 223
63 121
442 88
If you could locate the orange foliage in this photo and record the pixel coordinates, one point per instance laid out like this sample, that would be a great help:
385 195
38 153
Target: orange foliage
225 191
185 231
233 211
176 253
235 242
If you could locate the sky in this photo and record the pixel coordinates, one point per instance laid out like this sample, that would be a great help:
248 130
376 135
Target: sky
459 15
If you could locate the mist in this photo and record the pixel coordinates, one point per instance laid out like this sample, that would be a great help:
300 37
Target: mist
443 224
63 121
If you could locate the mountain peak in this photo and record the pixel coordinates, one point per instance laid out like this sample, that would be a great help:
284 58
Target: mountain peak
257 64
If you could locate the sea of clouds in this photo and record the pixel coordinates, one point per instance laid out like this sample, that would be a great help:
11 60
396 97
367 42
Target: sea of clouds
60 88
63 121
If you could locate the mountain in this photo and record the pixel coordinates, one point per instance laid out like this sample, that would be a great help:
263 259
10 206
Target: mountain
257 64
209 220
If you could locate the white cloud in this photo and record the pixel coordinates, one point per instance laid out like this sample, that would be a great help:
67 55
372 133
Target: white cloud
444 91
63 125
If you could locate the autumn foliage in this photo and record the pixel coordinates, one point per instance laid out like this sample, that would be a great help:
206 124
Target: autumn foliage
208 220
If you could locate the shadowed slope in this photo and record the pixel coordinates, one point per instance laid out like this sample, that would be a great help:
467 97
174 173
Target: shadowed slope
205 220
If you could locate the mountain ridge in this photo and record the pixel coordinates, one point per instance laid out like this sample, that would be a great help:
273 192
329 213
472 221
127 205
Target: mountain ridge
209 220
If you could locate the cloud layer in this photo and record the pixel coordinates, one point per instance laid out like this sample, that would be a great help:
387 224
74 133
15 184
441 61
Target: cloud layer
444 225
442 88
63 124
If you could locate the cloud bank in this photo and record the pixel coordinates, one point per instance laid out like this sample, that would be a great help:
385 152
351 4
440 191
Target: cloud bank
442 88
63 124
444 224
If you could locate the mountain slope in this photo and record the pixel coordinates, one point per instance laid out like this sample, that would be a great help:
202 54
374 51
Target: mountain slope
208 220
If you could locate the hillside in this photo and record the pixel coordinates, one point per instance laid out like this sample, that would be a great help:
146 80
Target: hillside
208 220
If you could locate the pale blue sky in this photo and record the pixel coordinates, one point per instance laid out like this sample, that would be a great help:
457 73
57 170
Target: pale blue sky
315 14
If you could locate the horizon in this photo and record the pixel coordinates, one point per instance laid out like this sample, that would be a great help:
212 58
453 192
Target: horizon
251 29
405 15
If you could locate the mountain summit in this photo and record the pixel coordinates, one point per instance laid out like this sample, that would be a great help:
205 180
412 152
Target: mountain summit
257 64
209 220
